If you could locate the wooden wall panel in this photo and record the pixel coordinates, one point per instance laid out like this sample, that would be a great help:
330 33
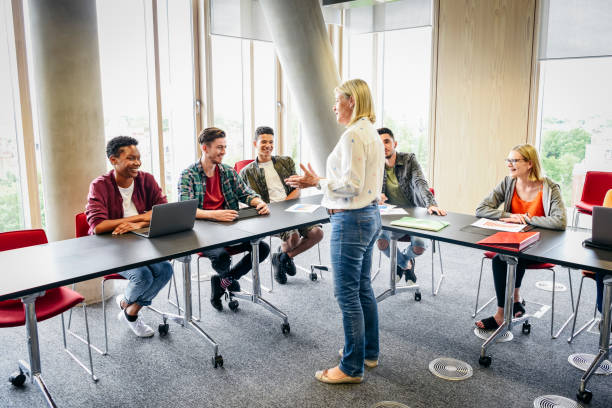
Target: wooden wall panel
482 95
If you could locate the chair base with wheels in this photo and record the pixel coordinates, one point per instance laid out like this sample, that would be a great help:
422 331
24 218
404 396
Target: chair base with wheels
538 266
37 307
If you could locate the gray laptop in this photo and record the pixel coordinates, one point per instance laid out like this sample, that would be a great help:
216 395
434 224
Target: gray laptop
170 218
602 228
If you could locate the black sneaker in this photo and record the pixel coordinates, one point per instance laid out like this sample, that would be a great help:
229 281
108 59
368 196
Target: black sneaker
399 274
287 264
234 286
279 272
409 273
216 292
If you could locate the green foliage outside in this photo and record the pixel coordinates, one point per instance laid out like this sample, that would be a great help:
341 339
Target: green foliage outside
560 151
408 142
10 204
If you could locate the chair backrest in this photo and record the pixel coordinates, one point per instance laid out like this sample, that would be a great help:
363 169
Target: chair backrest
596 184
21 239
242 164
608 199
81 227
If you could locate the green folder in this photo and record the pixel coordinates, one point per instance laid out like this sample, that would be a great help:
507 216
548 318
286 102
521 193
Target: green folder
417 223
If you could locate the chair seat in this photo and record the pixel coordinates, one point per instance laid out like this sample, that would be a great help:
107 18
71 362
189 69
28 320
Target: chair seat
588 274
584 208
535 265
113 276
54 302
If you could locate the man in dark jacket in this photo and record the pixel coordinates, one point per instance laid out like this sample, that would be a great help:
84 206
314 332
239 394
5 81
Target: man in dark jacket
266 176
404 186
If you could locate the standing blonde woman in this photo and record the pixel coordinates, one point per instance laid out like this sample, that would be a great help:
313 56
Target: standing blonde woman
354 182
528 198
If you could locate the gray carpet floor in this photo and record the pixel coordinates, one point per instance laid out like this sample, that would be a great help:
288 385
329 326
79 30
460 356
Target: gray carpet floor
264 368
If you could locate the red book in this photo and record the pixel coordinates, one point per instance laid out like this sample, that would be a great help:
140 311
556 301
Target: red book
513 241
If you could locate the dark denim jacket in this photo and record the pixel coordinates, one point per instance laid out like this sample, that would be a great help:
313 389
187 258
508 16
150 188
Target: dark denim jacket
411 180
254 176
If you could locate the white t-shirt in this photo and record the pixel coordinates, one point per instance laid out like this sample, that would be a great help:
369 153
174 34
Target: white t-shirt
276 189
129 209
354 168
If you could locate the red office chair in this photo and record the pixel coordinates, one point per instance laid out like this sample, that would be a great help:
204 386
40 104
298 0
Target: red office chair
81 229
538 266
607 202
239 165
596 184
54 302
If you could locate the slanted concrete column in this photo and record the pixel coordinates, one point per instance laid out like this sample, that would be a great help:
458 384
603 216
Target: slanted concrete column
67 83
305 53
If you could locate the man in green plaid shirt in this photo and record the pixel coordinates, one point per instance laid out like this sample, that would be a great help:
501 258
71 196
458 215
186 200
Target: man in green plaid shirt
218 189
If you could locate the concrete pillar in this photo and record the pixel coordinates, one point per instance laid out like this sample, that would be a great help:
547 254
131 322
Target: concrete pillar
67 83
305 53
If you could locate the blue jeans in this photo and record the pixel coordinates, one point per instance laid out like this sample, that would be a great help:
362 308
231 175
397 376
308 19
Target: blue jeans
353 236
145 282
404 255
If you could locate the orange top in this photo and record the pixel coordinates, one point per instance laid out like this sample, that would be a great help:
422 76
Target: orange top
534 208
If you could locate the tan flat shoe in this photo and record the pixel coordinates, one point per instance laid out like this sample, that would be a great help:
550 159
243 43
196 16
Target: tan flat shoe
368 363
345 379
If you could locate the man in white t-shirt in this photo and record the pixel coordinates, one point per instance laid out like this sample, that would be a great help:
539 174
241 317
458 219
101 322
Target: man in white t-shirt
266 176
121 201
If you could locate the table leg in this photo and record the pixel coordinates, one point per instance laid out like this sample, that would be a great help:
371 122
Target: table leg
393 289
33 370
509 320
584 394
255 296
187 319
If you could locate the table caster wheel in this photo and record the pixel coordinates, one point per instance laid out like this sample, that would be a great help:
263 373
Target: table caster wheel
17 378
584 396
313 276
163 329
233 305
417 296
285 328
485 361
526 328
217 361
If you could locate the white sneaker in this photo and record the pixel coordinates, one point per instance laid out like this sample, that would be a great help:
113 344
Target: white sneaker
140 328
118 300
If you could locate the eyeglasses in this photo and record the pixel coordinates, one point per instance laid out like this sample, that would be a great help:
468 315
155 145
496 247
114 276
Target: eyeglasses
513 161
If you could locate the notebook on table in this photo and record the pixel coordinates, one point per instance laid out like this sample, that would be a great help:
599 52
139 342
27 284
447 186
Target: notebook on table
170 218
512 241
418 223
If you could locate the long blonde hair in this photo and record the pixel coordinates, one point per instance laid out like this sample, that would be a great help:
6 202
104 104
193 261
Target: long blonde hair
360 91
530 154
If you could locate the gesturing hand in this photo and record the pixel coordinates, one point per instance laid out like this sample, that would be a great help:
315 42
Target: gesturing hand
308 179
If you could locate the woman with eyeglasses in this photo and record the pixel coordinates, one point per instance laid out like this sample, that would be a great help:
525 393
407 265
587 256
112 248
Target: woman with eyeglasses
528 197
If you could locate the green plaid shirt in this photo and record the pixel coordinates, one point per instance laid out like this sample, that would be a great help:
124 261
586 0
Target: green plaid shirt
256 178
192 184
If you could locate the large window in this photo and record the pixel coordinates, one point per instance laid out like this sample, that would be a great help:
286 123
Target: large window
124 65
177 89
11 201
397 66
575 130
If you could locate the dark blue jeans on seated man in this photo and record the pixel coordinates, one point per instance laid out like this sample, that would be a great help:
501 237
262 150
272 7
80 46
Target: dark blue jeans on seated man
145 282
354 233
